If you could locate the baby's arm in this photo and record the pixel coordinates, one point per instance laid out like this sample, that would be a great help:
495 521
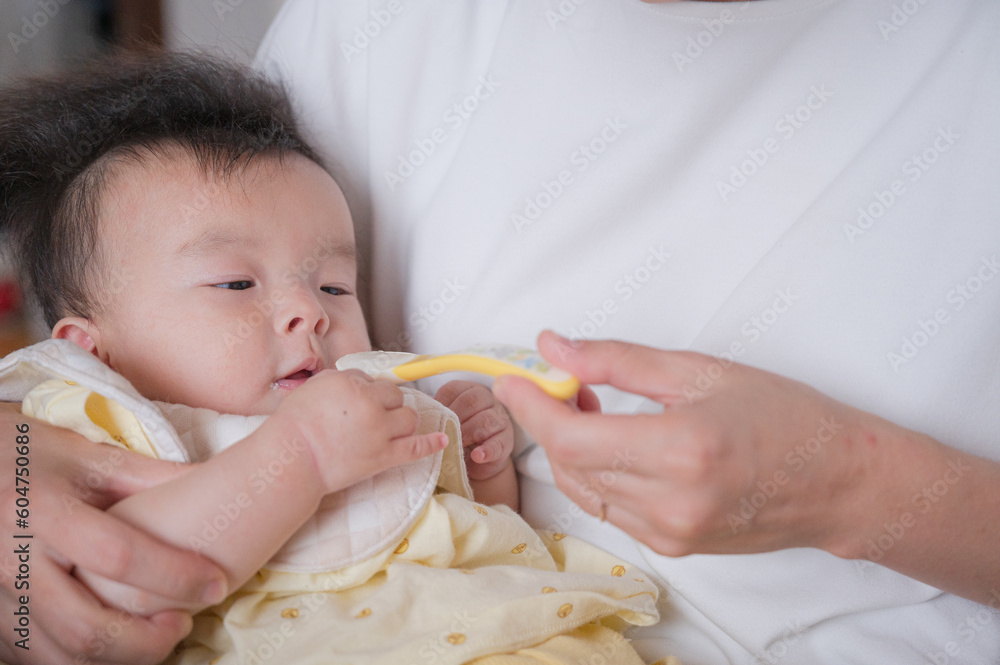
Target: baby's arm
488 438
239 507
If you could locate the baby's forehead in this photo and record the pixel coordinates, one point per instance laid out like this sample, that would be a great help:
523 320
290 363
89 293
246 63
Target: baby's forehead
163 171
173 185
168 197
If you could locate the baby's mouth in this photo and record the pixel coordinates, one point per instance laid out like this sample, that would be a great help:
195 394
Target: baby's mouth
293 380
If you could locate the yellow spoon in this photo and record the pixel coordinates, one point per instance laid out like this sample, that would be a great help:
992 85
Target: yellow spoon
491 359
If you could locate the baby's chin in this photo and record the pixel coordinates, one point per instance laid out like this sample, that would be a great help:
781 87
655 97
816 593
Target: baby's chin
264 405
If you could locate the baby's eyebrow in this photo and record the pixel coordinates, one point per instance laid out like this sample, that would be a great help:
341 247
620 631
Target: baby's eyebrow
214 240
341 250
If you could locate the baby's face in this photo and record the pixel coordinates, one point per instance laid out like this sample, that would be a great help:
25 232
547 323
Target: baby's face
226 294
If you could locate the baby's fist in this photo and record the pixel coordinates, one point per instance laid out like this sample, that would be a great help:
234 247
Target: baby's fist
487 433
354 426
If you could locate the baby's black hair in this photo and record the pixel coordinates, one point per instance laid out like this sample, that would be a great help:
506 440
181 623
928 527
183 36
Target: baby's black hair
59 135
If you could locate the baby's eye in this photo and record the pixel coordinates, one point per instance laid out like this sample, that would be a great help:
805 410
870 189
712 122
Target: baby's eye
238 285
334 290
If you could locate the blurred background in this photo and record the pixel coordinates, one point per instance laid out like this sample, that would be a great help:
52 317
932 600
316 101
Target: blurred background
43 35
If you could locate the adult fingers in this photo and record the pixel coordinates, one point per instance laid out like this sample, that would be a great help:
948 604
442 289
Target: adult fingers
113 473
654 373
95 540
79 626
642 507
586 400
571 438
530 405
671 513
680 533
639 526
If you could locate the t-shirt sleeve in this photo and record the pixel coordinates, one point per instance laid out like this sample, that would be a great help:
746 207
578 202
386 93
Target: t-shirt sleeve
310 49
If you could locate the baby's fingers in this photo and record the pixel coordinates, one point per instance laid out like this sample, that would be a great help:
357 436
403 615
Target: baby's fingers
484 425
388 394
494 449
400 422
411 448
465 398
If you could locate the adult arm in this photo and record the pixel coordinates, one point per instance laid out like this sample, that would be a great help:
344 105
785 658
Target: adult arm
834 477
71 482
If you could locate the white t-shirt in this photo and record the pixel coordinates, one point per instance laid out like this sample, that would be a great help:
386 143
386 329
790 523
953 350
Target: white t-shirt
808 185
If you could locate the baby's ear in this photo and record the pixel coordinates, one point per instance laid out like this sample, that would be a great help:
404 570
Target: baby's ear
77 330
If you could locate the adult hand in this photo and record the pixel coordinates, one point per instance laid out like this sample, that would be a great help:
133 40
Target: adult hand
71 482
748 462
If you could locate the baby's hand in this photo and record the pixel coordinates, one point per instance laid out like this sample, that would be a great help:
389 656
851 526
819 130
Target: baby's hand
354 426
487 433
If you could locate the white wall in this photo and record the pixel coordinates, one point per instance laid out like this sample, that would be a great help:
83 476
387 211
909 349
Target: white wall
232 27
36 35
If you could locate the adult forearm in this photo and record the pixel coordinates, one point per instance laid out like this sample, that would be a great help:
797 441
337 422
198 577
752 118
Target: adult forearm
932 514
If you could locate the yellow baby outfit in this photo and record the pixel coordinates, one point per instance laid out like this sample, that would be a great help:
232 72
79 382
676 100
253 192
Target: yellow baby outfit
408 570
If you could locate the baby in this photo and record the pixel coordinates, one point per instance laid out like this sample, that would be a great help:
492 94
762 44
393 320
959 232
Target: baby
191 253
